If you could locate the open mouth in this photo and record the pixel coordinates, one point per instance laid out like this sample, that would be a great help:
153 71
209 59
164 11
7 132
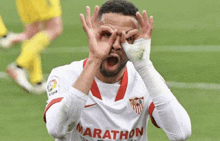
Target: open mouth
112 60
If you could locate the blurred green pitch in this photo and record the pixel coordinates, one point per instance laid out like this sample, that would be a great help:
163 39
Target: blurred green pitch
191 26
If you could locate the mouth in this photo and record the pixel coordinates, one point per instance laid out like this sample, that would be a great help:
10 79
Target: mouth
112 65
112 61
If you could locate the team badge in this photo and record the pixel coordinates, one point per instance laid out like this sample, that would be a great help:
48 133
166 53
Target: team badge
137 104
52 86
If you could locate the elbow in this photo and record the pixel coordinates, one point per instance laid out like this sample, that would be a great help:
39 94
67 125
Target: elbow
56 132
187 134
182 136
55 121
186 131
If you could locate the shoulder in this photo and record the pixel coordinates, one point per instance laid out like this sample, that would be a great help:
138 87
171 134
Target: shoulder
66 74
61 78
66 71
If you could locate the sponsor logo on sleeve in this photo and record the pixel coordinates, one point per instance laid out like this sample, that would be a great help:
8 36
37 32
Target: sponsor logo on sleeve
52 87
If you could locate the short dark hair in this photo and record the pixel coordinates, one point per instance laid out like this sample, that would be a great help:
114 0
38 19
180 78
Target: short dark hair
118 6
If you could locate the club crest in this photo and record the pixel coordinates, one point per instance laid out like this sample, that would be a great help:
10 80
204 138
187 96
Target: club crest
137 104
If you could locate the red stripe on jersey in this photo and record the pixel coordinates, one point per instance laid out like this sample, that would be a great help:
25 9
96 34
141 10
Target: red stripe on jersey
121 92
84 62
150 110
49 105
123 87
95 90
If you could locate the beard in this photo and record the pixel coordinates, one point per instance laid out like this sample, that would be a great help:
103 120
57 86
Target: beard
108 73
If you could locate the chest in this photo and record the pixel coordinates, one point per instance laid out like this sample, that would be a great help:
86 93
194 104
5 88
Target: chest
114 118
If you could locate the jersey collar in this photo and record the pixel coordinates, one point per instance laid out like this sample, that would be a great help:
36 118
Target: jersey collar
121 91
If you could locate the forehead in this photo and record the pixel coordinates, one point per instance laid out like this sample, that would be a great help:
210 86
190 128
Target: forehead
119 21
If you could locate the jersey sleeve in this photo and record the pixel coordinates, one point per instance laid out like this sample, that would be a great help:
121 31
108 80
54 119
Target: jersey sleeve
64 105
167 113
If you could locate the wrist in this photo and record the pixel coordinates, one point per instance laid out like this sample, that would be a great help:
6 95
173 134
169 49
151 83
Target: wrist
85 80
144 64
94 61
138 52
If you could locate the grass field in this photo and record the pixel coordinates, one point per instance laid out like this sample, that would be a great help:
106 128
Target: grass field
185 50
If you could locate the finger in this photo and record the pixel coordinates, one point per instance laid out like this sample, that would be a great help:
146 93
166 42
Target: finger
88 16
95 14
151 25
145 17
113 37
140 19
123 37
133 32
83 22
105 29
151 21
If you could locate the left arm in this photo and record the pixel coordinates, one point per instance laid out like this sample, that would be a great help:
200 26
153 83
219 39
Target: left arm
168 113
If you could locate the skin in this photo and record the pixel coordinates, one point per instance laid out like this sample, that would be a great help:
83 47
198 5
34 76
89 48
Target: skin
120 23
52 27
105 38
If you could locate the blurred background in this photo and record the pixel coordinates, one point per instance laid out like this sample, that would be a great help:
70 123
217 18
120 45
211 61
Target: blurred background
185 50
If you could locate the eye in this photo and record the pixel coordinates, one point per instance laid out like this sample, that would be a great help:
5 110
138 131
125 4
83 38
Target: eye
130 38
106 34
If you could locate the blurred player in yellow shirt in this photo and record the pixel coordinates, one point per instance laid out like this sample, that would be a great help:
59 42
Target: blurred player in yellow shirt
3 29
5 36
43 24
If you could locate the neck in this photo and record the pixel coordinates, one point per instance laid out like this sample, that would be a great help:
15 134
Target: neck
110 80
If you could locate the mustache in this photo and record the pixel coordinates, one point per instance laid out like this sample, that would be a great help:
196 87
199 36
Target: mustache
115 52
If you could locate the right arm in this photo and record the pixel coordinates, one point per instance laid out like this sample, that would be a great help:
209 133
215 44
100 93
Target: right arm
66 106
98 50
62 112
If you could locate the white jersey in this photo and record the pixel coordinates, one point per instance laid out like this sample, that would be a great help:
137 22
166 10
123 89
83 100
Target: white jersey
118 111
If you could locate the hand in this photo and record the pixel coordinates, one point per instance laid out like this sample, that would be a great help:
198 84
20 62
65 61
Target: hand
98 48
139 51
146 25
146 28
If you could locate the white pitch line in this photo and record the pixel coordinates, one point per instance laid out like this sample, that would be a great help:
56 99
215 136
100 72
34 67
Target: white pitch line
84 49
186 48
154 49
210 86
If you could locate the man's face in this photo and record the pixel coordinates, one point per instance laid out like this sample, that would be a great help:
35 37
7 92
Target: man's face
117 59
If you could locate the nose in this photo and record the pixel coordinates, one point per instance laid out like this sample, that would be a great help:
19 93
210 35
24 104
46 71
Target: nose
117 43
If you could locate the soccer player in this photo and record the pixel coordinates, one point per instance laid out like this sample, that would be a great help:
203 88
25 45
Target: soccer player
5 36
8 39
12 38
33 13
111 94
